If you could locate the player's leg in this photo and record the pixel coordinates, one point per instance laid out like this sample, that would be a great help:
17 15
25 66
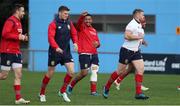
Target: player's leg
5 66
84 61
139 66
123 61
118 81
17 68
94 74
45 82
70 72
4 73
76 79
93 79
52 62
113 77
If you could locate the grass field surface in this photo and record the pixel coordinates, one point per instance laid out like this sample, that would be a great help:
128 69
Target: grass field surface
162 91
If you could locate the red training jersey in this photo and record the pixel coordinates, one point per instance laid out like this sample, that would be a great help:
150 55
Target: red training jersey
87 35
10 42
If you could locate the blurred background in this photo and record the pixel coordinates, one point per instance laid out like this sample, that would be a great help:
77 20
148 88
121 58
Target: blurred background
110 18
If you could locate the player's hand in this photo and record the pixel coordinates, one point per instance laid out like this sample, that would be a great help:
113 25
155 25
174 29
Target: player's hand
95 44
59 50
84 13
26 37
144 43
21 37
75 47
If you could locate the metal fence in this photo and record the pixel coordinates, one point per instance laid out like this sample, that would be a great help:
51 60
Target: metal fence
29 54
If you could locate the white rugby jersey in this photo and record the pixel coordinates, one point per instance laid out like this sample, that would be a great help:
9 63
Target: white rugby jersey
135 28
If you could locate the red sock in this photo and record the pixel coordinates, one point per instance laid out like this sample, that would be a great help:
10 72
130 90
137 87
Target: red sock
121 77
45 81
93 87
73 83
138 79
17 89
113 77
67 80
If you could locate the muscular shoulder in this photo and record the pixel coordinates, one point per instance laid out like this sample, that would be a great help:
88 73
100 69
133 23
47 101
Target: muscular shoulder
132 25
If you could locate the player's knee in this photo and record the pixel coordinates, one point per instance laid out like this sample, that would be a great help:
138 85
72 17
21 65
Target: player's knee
4 77
84 73
94 71
71 73
19 76
140 70
50 74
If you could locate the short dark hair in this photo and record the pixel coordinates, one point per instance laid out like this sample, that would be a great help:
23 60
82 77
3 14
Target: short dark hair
88 15
137 11
17 6
62 8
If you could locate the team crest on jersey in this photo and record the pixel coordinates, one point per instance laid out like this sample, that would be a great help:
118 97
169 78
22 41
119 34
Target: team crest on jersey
8 62
126 61
68 26
85 65
52 63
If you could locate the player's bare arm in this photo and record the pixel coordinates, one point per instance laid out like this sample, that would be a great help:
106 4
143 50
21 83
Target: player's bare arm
75 47
130 36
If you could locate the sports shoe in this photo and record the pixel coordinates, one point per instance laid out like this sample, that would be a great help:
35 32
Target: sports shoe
69 89
178 88
22 101
144 88
141 96
105 93
94 94
117 85
64 96
42 98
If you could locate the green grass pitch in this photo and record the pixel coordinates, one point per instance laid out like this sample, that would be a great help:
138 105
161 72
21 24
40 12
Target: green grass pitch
162 90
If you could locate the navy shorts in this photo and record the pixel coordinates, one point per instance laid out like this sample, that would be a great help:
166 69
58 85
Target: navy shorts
127 56
87 60
8 58
55 58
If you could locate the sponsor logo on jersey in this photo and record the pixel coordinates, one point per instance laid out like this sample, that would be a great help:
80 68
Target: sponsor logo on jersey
52 63
86 65
8 62
68 26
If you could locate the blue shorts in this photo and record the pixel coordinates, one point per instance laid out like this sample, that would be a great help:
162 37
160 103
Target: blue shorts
87 60
55 58
127 56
